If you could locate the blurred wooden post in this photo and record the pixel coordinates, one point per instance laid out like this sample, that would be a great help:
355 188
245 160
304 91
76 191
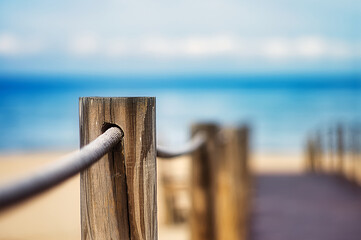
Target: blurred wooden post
330 150
340 149
350 173
244 133
358 153
232 206
203 184
353 153
170 215
320 161
118 193
310 155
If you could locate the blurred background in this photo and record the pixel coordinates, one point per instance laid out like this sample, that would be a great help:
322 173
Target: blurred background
282 66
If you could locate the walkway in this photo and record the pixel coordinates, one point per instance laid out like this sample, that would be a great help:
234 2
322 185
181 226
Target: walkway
305 207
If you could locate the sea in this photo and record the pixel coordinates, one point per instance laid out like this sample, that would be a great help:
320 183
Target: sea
40 112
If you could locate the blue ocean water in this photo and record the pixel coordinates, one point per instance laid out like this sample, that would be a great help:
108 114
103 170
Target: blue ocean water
41 112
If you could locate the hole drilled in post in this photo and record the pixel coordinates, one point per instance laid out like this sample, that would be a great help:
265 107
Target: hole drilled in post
106 126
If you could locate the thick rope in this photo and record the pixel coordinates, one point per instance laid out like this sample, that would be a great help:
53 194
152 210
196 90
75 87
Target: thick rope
60 170
196 142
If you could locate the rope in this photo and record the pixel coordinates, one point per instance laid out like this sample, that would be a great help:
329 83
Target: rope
68 166
196 142
59 171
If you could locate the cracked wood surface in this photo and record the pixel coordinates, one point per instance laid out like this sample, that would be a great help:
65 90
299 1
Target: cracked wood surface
118 193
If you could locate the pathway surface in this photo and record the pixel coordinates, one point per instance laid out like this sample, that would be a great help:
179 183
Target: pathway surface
305 207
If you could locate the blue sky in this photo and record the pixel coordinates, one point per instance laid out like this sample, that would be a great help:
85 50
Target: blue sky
196 36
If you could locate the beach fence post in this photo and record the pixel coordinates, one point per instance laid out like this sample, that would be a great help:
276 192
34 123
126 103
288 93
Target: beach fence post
246 179
118 194
203 177
330 149
335 164
340 149
319 158
233 192
220 184
310 155
356 152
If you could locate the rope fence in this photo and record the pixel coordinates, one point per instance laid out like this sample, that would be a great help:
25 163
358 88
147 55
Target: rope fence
335 150
118 174
59 171
195 143
68 166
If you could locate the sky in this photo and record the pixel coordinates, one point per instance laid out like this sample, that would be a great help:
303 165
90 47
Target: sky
198 36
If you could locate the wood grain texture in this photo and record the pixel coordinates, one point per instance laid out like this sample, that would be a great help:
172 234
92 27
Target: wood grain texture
203 184
118 193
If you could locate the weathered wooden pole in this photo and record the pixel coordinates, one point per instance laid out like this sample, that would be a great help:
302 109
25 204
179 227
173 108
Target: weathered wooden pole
203 194
232 206
118 193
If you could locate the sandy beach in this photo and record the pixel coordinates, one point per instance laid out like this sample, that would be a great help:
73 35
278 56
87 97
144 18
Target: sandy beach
55 214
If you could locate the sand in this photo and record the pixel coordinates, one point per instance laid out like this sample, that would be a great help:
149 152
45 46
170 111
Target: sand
55 214
277 163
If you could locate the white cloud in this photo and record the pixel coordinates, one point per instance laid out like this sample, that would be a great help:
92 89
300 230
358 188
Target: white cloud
307 48
303 48
190 46
209 46
276 48
9 45
160 46
115 48
89 46
311 47
342 50
15 46
84 45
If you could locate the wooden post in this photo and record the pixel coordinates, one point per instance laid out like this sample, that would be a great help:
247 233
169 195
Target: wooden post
233 183
351 173
244 143
358 153
203 184
330 138
340 150
118 193
353 152
319 160
310 155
